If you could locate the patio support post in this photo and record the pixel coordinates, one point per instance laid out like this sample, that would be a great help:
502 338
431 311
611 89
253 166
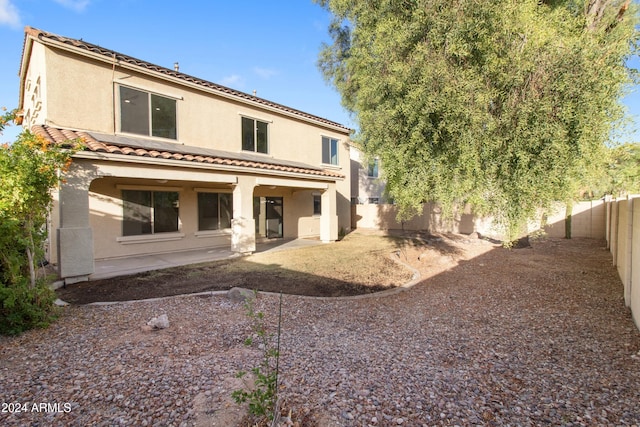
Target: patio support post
74 235
328 215
243 225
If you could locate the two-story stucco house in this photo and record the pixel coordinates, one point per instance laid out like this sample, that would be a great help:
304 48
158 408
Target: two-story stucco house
172 162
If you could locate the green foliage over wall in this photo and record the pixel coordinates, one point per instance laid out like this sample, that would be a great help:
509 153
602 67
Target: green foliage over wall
506 105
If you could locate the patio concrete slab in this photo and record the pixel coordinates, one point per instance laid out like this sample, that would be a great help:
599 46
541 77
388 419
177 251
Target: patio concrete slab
104 269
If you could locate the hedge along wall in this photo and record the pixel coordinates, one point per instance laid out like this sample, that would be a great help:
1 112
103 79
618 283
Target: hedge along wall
623 240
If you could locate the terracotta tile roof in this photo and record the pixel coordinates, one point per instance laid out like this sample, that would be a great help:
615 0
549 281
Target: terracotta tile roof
82 45
113 144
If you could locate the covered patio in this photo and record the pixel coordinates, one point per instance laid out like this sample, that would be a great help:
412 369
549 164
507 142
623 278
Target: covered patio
105 269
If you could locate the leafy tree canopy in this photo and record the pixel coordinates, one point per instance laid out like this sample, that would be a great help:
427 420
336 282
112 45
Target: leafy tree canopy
506 105
623 172
30 169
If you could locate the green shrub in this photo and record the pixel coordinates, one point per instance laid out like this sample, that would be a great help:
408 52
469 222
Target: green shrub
23 308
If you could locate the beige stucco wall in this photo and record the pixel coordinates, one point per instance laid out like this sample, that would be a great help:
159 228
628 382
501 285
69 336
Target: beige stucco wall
108 179
624 245
635 263
384 217
106 220
35 87
83 94
588 219
364 187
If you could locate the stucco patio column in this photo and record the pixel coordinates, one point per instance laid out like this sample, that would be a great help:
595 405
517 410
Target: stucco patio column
243 225
74 234
328 215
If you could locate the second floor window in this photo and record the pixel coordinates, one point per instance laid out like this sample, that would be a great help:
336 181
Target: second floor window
148 114
372 170
254 135
329 151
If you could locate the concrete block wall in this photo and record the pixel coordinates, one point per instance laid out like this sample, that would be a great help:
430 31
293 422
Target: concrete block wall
588 219
623 240
635 262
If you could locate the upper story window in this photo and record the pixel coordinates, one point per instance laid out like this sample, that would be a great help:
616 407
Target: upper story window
372 170
148 114
255 135
329 151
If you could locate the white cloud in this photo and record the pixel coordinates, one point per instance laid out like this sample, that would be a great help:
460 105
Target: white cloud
9 14
232 80
265 73
77 5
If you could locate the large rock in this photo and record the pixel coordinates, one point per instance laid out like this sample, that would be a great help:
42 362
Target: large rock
241 294
160 322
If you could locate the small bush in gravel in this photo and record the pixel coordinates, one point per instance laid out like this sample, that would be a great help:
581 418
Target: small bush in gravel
23 307
263 396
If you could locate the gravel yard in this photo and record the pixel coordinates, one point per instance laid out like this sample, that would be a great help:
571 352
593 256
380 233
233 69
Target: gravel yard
535 336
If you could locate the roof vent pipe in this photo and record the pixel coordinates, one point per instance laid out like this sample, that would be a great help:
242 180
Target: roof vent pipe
176 66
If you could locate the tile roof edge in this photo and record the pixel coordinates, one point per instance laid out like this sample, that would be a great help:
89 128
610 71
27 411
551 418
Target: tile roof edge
80 45
90 139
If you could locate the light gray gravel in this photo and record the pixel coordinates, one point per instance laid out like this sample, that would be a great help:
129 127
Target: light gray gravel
530 337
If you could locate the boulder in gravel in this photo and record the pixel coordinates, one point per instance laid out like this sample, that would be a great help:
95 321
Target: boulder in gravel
160 322
241 294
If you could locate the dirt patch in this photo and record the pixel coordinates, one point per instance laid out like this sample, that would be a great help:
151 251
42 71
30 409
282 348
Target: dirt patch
362 263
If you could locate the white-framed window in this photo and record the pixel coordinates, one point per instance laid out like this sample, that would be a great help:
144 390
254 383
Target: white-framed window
372 169
148 114
317 204
329 151
215 211
255 135
149 212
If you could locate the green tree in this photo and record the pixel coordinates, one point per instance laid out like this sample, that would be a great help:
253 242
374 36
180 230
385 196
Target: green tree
29 170
505 105
623 172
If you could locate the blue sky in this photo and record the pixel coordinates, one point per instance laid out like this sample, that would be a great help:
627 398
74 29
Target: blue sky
268 46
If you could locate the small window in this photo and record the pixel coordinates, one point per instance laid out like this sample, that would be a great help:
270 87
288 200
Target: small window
317 204
214 211
255 135
329 151
374 200
149 212
372 170
147 114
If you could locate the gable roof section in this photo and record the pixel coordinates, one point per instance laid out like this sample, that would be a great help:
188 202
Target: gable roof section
110 144
84 48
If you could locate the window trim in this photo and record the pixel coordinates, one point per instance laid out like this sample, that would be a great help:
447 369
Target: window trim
255 135
330 138
153 236
215 231
316 215
150 238
376 163
118 102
